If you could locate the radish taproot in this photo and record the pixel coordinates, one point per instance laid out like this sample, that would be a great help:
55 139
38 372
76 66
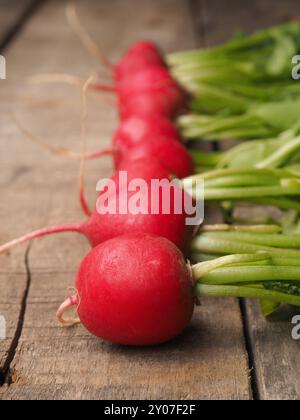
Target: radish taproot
142 70
141 54
134 290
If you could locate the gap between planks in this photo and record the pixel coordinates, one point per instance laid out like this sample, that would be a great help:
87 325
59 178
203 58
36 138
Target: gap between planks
16 27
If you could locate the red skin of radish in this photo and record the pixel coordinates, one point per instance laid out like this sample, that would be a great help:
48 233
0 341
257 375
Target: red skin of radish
99 228
151 91
154 103
132 130
149 79
135 290
139 56
146 169
169 152
102 227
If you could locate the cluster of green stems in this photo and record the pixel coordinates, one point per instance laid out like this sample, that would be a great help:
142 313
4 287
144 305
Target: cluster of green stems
248 262
276 187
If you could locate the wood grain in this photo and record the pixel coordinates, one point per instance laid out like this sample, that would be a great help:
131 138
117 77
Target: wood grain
209 361
12 14
274 355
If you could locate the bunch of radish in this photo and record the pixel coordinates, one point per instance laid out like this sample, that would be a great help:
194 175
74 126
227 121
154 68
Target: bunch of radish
135 287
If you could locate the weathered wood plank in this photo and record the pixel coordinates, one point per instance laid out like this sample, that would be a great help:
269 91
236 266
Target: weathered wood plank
12 12
209 360
273 352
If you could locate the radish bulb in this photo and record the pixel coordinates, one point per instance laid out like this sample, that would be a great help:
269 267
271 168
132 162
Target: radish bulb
103 225
134 290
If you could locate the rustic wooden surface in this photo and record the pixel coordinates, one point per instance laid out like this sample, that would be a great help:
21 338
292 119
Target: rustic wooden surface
44 360
273 354
40 360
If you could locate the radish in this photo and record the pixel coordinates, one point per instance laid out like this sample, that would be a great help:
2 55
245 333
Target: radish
134 129
139 56
145 168
136 289
101 227
151 91
150 79
172 154
147 104
141 80
167 150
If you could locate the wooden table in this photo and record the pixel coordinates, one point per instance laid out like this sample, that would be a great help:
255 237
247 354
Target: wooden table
229 351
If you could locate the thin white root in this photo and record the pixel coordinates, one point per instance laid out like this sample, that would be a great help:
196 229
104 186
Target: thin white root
87 41
84 114
55 150
69 303
56 78
69 79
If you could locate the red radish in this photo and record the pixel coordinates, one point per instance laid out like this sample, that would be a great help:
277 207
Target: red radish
141 70
148 104
150 79
134 129
170 153
101 227
145 168
134 290
139 56
167 150
151 91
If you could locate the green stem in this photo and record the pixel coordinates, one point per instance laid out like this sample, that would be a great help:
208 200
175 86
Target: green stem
241 181
242 194
206 244
281 156
204 290
220 173
200 270
251 274
265 239
239 228
205 158
281 202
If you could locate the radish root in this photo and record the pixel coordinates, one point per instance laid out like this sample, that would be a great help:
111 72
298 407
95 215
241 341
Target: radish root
56 78
84 115
55 150
69 303
61 151
38 234
85 38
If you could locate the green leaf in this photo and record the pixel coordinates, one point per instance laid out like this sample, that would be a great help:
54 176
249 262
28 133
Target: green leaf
268 307
289 288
